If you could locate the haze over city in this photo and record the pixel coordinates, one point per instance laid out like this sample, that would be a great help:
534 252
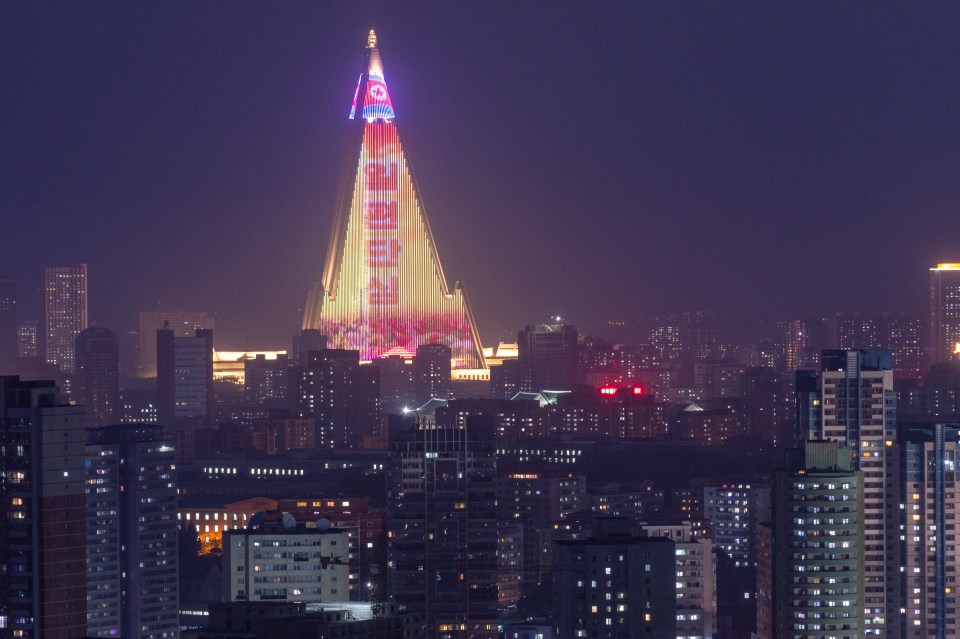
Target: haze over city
598 162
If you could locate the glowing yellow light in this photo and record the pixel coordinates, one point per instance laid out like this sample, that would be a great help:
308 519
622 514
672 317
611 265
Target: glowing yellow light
956 348
947 266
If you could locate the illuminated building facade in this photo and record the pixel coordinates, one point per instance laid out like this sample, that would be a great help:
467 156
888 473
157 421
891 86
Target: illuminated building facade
856 407
132 561
944 312
64 312
810 559
383 286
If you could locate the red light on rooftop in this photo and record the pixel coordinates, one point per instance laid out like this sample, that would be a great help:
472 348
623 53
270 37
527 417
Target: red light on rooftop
608 390
638 390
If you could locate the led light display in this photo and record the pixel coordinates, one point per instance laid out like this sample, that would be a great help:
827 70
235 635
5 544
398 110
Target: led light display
383 288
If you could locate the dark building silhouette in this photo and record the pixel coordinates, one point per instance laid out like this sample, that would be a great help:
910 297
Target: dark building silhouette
132 578
551 353
396 383
768 406
267 381
43 571
8 326
342 396
185 379
442 521
309 339
431 372
612 584
98 375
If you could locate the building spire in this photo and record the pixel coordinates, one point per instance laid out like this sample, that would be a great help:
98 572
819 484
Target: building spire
371 99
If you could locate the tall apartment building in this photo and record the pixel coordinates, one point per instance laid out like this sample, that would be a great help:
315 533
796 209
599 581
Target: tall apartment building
442 522
65 314
733 510
612 584
342 396
944 312
43 585
431 372
131 529
811 556
28 339
182 323
532 501
98 375
267 381
184 379
696 579
857 409
8 326
552 355
930 507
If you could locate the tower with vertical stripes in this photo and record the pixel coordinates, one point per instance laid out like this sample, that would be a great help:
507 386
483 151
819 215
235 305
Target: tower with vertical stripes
383 289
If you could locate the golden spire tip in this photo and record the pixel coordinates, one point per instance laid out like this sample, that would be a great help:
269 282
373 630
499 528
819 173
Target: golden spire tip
372 39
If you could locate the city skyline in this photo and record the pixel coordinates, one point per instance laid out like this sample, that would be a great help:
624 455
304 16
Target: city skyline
191 155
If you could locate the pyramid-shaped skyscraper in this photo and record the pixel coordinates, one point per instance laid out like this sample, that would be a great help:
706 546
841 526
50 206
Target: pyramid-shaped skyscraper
383 289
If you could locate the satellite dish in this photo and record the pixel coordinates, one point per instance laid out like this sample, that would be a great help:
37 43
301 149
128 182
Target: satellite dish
324 524
257 520
289 522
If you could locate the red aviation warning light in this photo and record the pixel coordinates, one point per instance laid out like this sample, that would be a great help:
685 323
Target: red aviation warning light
608 390
638 390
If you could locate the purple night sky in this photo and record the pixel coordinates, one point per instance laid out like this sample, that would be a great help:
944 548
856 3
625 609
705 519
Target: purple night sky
600 160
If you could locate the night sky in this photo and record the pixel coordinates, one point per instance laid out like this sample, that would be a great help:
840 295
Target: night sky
598 160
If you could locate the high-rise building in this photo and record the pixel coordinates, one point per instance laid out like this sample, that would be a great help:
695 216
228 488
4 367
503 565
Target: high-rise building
431 372
43 570
733 511
267 381
769 413
396 383
810 573
383 286
98 375
930 502
696 579
8 326
182 323
856 407
944 312
64 307
612 584
184 379
531 501
342 396
307 340
442 521
132 578
27 339
551 353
